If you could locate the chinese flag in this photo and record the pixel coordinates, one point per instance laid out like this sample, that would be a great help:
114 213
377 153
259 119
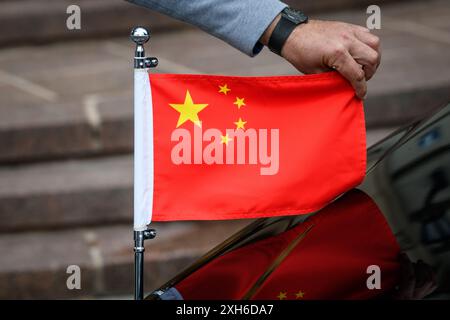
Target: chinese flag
246 147
332 255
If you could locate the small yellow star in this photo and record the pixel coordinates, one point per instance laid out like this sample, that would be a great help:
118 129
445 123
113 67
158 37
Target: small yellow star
282 296
239 102
240 124
225 139
224 89
299 294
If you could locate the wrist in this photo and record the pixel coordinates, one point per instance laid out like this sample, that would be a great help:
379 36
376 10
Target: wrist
282 27
292 44
266 35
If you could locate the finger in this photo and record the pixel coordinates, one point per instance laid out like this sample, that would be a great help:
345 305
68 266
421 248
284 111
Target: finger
370 40
407 278
364 35
433 288
423 276
360 28
429 284
425 290
422 292
434 280
423 280
434 284
365 56
352 71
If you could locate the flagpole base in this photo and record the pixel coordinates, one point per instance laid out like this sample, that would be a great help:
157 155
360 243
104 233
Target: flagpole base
139 239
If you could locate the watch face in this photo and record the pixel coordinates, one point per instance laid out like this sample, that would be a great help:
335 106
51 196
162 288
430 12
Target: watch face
295 16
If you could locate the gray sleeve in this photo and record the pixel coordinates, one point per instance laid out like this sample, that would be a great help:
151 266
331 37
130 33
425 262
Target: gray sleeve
240 23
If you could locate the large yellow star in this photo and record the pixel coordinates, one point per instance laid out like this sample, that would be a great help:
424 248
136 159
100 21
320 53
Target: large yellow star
282 296
224 89
239 102
299 294
188 110
240 124
225 139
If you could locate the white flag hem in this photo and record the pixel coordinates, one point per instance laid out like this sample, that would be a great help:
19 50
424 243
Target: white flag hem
143 150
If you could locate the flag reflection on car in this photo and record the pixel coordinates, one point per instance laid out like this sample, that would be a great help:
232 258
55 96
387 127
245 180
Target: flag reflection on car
325 257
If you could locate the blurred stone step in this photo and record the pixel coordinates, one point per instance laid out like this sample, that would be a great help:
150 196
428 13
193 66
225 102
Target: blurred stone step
34 264
67 130
39 21
72 193
66 194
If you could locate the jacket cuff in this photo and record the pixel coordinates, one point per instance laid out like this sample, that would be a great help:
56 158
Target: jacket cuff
256 24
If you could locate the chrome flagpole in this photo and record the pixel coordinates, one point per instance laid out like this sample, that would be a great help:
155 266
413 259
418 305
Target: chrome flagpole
143 155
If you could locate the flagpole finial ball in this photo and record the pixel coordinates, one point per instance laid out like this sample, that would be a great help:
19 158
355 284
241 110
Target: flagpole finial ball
139 35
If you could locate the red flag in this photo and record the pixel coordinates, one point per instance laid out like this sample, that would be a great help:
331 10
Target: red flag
326 257
246 147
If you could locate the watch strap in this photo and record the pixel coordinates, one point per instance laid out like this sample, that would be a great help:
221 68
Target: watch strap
280 33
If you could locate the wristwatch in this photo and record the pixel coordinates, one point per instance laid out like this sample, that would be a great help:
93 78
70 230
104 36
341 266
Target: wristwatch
290 18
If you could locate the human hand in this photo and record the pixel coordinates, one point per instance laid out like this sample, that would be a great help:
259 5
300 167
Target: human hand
417 280
318 46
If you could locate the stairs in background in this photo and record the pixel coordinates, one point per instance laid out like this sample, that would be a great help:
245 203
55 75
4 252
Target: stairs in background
41 21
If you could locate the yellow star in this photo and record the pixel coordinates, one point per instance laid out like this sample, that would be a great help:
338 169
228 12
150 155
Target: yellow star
240 124
225 139
282 296
224 89
299 294
239 102
188 110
